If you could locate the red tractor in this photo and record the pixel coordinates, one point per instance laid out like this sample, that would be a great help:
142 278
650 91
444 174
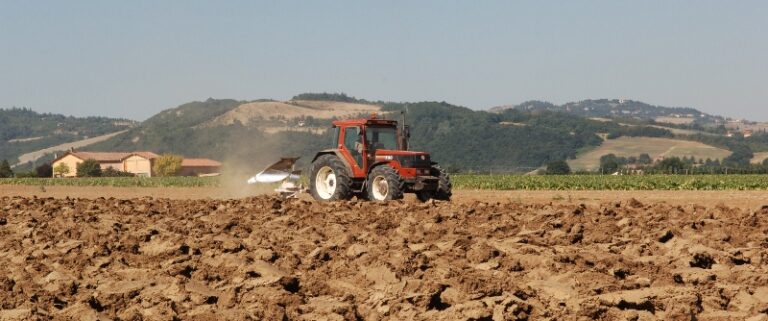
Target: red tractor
370 159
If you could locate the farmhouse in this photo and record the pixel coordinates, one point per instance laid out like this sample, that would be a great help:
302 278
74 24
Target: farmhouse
138 163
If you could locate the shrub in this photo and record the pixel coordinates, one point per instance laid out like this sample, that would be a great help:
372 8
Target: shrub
61 169
609 163
167 165
5 169
89 168
111 172
558 168
27 174
44 170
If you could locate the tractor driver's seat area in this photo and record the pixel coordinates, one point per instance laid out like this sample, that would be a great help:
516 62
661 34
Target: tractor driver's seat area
352 141
377 145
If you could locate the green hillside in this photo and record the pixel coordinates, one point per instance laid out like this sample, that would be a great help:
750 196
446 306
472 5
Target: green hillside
619 109
23 130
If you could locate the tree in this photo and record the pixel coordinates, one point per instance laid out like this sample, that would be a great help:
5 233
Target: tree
741 157
167 165
44 170
671 165
61 169
5 169
89 168
609 163
558 168
644 158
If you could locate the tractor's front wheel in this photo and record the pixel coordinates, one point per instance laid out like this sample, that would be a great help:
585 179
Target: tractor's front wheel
329 179
444 187
384 184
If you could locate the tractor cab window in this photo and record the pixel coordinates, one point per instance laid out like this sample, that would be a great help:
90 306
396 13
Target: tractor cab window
354 144
335 134
382 137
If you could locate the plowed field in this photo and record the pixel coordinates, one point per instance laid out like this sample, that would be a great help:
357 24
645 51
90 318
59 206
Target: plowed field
265 259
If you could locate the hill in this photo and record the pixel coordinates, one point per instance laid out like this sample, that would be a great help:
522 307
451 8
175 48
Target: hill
654 147
276 114
247 133
621 109
24 131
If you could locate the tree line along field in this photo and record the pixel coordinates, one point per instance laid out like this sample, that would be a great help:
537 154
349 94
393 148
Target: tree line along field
465 181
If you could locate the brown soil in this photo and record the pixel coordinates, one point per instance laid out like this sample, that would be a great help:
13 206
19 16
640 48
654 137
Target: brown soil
744 199
261 258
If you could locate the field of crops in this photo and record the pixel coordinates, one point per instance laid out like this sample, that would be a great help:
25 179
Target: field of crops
607 182
116 181
488 182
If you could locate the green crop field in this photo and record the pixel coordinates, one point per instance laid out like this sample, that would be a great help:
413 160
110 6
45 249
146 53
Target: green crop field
116 181
463 181
608 182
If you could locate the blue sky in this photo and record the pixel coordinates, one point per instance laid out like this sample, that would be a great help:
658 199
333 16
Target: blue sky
135 58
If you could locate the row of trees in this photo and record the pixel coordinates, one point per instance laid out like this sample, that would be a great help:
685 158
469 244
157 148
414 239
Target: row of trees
738 162
611 163
674 165
43 170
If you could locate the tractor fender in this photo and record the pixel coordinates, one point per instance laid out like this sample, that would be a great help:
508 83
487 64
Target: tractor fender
393 163
336 152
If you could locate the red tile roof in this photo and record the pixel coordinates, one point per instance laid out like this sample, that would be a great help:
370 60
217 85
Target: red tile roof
147 155
100 157
111 157
199 162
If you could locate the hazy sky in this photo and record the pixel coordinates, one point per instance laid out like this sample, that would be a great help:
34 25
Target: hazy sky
135 58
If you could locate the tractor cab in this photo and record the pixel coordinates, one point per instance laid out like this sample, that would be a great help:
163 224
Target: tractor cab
370 159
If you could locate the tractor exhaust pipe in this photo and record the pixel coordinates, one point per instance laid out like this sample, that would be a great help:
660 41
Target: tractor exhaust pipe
405 130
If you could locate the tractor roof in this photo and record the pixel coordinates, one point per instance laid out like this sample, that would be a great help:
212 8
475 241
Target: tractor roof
365 121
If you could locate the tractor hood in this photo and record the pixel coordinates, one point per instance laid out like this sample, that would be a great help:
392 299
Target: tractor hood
404 157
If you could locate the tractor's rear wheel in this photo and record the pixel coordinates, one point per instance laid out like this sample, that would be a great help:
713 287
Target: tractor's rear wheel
444 187
384 184
329 179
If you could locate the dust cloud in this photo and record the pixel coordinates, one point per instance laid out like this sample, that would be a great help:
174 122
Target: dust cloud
249 152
